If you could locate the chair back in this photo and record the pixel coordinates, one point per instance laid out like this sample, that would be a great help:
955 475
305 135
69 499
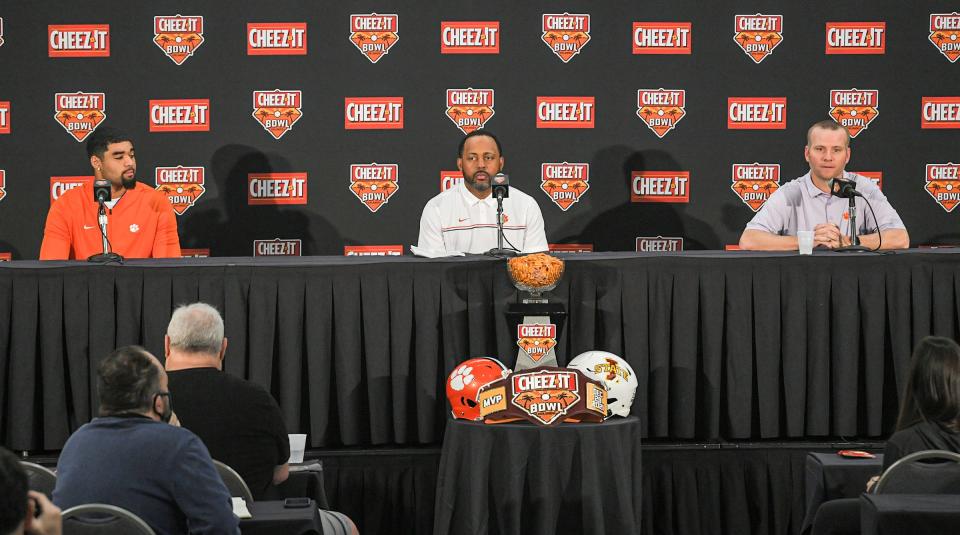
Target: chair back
235 484
40 478
922 472
103 519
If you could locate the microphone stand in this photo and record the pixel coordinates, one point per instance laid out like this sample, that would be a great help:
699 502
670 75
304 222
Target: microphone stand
106 256
854 239
500 251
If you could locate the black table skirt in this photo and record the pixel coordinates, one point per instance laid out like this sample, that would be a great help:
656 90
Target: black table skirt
521 479
725 345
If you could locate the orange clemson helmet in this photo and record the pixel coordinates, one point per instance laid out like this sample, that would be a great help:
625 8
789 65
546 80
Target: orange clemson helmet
466 380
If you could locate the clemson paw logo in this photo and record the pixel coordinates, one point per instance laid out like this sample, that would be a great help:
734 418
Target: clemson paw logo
461 378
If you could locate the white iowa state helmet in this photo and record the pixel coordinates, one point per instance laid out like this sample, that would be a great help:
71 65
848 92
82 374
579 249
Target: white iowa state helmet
614 374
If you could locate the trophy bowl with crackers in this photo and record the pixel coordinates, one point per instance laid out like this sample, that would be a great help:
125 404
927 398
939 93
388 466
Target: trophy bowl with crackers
535 273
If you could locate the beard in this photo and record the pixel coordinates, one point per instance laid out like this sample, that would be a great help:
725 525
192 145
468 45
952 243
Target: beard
129 183
481 186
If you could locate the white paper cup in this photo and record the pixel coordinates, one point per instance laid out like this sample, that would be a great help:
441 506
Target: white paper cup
805 241
297 444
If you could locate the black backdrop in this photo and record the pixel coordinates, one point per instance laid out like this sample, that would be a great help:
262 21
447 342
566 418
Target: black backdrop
333 69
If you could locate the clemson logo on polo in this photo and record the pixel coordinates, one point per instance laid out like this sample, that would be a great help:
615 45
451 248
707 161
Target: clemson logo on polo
566 34
374 35
854 109
178 36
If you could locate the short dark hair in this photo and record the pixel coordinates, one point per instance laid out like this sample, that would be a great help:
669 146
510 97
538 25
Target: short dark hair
13 492
475 133
932 393
128 379
101 138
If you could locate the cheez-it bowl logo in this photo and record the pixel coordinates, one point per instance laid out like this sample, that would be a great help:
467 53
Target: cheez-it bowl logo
545 395
536 339
754 183
374 183
565 182
278 110
943 184
944 34
374 35
3 184
758 35
80 113
566 34
661 109
182 185
62 184
178 36
854 109
470 108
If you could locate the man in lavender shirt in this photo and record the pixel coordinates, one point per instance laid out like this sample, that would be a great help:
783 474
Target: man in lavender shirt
806 203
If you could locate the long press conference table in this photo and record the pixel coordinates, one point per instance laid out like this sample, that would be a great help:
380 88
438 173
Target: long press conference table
726 345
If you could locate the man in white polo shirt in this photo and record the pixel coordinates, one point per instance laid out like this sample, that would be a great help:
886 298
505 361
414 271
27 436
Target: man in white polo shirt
463 219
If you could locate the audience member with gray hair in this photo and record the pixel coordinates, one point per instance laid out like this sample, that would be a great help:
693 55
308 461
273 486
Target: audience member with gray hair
238 420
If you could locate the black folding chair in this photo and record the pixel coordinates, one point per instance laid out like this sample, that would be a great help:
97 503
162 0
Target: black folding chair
922 472
40 478
235 484
103 519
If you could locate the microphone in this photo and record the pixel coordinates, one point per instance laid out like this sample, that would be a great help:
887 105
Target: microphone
101 190
501 186
101 194
846 189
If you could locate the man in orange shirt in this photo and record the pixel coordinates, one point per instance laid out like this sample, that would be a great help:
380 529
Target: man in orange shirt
140 221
